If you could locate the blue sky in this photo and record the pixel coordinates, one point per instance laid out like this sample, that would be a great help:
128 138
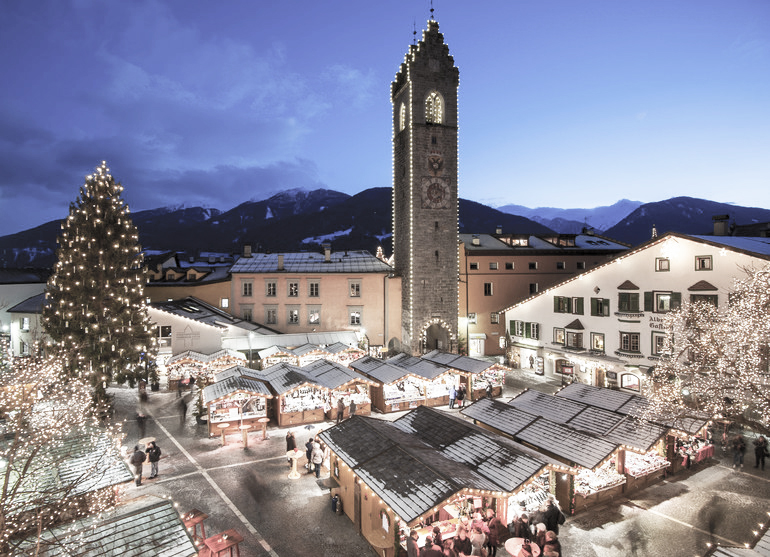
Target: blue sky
562 103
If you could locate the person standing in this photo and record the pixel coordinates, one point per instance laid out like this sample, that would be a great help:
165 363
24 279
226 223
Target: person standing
340 410
317 456
411 544
308 453
460 395
182 411
291 444
452 396
739 447
551 516
462 543
760 451
352 407
137 461
141 421
496 529
153 455
478 540
552 544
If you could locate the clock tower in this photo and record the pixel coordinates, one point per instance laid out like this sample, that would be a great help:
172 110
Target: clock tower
425 233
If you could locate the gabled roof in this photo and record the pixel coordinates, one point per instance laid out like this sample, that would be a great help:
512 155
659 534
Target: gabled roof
338 347
702 285
234 383
380 370
333 375
460 363
205 358
283 377
307 348
148 525
267 340
419 366
311 262
198 310
33 304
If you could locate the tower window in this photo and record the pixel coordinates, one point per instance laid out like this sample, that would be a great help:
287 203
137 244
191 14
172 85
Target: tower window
433 140
434 108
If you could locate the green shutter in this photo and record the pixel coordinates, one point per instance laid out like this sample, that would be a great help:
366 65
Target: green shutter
578 306
594 306
556 304
648 302
676 300
568 303
511 326
528 330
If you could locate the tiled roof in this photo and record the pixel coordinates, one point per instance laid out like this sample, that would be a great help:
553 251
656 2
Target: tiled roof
460 363
312 262
541 404
225 386
145 526
205 358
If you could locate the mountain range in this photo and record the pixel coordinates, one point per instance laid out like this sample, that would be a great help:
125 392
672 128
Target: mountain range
297 220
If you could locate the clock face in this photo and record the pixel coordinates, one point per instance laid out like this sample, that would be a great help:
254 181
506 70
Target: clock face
435 193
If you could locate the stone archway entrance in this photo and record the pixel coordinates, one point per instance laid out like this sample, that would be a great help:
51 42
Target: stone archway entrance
437 337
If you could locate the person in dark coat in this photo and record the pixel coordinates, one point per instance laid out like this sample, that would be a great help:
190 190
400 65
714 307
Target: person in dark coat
520 527
291 444
141 421
437 537
495 526
552 543
308 453
760 451
739 447
352 407
137 461
460 395
411 544
551 517
340 409
463 544
153 455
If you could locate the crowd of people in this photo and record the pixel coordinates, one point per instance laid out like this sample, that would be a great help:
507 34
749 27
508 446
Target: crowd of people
738 446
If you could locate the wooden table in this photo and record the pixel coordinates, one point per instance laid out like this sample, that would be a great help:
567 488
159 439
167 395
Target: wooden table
245 432
222 428
227 540
191 521
264 421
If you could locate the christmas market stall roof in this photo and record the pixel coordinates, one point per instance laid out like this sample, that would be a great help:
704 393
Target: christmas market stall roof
615 427
148 525
382 371
261 341
234 384
566 443
629 405
760 549
281 377
192 355
459 363
426 457
419 366
338 347
333 375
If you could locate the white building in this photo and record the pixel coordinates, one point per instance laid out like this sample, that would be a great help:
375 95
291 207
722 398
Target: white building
604 327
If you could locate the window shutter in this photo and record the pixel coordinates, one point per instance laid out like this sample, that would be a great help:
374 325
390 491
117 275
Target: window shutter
512 327
676 300
594 306
556 304
578 306
528 330
568 304
648 306
606 306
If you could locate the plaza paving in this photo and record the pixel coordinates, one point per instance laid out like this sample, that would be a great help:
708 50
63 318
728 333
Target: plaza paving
248 489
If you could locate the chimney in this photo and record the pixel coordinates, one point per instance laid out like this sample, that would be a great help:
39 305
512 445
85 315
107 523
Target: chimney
280 262
720 224
475 241
327 252
246 250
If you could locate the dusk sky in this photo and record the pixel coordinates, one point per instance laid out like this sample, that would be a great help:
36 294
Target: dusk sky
562 103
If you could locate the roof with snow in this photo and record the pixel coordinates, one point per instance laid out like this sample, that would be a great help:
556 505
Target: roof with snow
200 311
552 243
236 383
358 261
33 304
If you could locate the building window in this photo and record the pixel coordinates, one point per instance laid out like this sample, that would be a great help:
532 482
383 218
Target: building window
509 265
474 266
271 289
471 319
533 265
487 289
494 318
600 307
712 299
564 367
703 263
24 325
597 342
224 303
562 304
574 340
271 315
628 301
164 331
558 335
629 381
662 302
662 264
658 343
314 289
246 313
493 266
629 342
23 348
434 108
533 288
560 265
292 289
517 328
355 316
247 289
292 316
355 288
532 330
581 265
314 315
402 117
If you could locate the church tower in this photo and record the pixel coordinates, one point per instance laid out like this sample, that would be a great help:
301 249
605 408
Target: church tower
425 230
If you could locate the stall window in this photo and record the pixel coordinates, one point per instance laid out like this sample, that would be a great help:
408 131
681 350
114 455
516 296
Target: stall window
355 288
314 315
629 381
574 340
355 315
494 318
600 307
628 301
487 289
629 342
658 343
271 290
271 315
314 288
597 342
703 263
247 289
292 289
662 264
292 316
558 335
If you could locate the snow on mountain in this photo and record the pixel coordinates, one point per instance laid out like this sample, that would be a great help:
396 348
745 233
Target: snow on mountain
566 220
327 237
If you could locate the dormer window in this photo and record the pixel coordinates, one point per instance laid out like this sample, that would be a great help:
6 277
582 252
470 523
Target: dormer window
434 108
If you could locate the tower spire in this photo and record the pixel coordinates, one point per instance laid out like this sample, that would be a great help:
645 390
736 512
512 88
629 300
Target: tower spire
431 9
414 32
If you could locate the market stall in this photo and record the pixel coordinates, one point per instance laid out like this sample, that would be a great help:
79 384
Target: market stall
186 365
299 398
469 371
276 355
235 401
395 388
309 353
494 377
343 353
437 379
343 383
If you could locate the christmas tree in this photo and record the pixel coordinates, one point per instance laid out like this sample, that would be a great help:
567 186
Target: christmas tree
95 307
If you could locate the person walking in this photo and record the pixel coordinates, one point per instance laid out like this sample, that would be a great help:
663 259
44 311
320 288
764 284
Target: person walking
182 411
452 396
317 456
308 453
352 407
340 410
153 455
141 421
291 444
760 451
739 447
137 461
552 516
